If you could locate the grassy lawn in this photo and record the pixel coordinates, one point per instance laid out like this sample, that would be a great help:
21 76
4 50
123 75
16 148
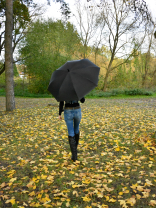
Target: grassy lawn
116 164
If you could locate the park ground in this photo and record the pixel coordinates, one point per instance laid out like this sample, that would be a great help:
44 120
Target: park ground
116 164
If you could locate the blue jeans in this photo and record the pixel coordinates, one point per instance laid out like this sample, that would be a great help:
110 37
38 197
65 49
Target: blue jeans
72 119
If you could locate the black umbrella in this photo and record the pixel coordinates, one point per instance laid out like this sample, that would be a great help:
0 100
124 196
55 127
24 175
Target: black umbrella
74 80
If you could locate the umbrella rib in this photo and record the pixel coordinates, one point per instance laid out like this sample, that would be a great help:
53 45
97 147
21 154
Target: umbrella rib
73 83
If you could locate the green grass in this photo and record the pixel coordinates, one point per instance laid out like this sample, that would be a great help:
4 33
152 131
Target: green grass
122 96
116 164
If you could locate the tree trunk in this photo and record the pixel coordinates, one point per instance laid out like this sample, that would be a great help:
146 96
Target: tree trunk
105 81
144 76
9 79
147 61
108 71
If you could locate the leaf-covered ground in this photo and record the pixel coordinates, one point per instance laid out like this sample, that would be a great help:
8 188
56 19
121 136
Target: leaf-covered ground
116 164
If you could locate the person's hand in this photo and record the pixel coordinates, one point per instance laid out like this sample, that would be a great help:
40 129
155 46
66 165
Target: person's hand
60 118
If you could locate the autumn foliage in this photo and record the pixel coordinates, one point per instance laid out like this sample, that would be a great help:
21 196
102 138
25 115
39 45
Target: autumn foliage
116 164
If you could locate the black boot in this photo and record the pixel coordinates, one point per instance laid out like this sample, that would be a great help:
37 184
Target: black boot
73 147
77 136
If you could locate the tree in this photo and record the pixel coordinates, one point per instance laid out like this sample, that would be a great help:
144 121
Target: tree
138 7
155 34
10 101
147 59
59 43
23 12
88 29
121 29
143 61
17 15
65 10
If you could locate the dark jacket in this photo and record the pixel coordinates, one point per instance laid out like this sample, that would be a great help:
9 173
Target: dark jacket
69 104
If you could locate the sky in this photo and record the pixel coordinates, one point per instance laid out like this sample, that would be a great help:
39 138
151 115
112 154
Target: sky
53 10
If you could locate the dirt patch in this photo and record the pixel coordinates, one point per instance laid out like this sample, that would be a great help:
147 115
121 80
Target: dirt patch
23 103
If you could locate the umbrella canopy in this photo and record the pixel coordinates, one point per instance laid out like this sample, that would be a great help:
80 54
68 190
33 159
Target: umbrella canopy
74 80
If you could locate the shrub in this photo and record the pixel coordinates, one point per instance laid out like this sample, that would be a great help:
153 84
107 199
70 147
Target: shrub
138 92
98 93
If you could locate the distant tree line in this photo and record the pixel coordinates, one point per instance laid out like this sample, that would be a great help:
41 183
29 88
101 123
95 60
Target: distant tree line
111 20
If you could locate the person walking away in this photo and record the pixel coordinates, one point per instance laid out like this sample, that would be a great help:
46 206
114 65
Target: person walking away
72 117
